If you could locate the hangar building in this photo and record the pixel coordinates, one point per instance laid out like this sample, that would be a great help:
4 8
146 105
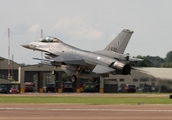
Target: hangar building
40 76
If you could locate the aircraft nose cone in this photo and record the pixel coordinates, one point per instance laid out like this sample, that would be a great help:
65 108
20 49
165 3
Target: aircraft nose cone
26 46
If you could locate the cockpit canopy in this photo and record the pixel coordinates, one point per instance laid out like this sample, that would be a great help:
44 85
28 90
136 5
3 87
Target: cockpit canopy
50 39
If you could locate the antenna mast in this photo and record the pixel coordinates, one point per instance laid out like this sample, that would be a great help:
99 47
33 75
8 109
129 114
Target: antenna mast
41 37
8 53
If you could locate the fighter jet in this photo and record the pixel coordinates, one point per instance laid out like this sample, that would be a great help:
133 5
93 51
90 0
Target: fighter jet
80 63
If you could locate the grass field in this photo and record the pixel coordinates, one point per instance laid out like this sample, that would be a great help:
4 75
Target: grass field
100 99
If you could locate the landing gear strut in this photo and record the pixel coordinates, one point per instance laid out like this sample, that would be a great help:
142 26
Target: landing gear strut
74 77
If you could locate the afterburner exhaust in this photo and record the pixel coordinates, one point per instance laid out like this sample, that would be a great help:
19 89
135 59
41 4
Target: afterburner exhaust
121 68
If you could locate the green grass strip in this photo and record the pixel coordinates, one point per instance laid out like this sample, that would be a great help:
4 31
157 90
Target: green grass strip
85 100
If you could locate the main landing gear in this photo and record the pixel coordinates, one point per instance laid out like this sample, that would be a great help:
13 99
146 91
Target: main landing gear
73 78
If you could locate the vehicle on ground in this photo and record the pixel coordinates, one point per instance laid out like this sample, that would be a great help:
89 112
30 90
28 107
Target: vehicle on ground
50 87
121 89
29 86
89 87
3 89
14 89
68 86
130 88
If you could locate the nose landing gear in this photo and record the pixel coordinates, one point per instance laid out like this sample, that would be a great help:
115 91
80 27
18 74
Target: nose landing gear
53 72
74 78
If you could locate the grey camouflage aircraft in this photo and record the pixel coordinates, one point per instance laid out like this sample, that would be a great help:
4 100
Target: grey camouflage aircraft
80 63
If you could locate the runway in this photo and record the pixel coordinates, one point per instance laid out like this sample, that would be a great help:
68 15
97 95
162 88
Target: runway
84 112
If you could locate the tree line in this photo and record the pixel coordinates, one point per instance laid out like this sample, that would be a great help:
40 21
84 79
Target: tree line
155 61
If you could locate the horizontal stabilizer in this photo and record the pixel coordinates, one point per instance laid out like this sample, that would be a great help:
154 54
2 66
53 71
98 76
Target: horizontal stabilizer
102 69
135 59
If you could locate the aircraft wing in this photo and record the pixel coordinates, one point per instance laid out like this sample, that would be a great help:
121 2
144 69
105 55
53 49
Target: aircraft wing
70 59
64 58
102 69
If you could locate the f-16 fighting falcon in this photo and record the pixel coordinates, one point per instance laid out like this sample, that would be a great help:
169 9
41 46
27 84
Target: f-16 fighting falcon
80 63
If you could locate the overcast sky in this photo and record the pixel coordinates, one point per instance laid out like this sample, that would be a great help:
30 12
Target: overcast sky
87 24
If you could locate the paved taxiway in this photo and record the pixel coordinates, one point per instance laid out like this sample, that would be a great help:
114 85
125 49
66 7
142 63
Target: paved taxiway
83 111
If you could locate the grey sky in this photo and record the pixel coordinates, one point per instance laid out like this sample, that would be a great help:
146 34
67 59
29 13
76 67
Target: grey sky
87 24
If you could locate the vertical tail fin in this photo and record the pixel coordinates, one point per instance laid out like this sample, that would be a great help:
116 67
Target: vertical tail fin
120 42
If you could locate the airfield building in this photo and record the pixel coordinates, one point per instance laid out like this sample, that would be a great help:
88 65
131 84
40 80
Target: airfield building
38 77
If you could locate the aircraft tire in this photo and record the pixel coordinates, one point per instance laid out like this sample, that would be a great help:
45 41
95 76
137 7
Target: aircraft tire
53 72
73 79
92 79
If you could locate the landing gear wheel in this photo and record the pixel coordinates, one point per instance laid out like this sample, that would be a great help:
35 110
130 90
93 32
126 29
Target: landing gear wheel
53 72
93 79
74 79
